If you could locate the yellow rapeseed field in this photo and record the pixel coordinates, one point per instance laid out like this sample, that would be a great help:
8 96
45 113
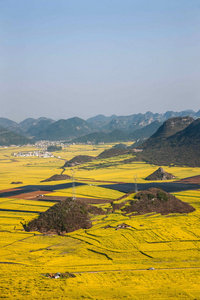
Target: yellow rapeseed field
108 262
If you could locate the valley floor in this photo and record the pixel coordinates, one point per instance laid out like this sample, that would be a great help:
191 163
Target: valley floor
155 257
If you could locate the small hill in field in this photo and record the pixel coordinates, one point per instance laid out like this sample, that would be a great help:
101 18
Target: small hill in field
160 174
120 146
158 201
57 177
78 160
113 152
63 217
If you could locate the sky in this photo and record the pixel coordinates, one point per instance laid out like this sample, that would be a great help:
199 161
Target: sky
66 58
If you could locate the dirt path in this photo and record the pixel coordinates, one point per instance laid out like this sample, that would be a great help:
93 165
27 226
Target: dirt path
137 270
101 181
31 195
62 198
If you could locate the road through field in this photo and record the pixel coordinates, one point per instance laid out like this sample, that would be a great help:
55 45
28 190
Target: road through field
137 270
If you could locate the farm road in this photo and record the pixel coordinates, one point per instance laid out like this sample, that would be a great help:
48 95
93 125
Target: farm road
138 270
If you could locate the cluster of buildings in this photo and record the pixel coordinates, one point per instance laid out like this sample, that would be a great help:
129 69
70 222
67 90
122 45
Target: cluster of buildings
37 153
45 144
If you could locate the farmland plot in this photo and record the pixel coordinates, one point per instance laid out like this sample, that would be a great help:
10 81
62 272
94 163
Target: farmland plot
108 262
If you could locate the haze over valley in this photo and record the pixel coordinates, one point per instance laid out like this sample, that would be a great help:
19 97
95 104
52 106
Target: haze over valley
96 129
99 149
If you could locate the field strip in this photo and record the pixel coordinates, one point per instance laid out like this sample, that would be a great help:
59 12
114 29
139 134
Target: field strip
28 237
18 210
138 270
102 181
12 263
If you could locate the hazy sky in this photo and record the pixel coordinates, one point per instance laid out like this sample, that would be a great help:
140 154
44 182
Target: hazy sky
65 58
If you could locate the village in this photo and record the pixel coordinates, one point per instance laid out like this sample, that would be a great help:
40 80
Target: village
44 154
44 144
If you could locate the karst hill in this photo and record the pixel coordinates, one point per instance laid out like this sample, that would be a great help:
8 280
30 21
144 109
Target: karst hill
160 174
158 201
97 129
176 142
8 137
166 130
66 216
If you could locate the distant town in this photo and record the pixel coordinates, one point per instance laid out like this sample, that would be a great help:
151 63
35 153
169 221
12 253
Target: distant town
44 154
46 143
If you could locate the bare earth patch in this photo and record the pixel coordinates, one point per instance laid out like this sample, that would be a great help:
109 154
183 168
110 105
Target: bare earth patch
57 177
193 179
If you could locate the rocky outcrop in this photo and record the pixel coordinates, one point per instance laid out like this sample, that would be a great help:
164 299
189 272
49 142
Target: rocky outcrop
158 201
160 174
63 217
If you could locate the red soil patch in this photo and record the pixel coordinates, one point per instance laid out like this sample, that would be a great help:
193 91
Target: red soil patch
31 195
193 179
102 181
85 200
9 190
50 198
94 201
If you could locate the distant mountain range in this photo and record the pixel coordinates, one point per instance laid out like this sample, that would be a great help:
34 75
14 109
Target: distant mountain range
65 129
118 135
176 142
136 121
97 129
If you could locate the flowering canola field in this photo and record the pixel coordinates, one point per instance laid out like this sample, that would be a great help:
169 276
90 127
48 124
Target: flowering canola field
108 262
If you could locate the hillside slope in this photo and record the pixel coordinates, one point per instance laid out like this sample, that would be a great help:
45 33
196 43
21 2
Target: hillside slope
8 138
144 132
65 129
38 126
180 148
167 129
11 126
63 217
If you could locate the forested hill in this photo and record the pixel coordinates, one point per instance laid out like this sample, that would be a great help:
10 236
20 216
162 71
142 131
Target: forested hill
167 129
180 148
8 138
133 127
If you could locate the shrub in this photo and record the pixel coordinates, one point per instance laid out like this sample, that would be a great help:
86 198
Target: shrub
150 196
162 196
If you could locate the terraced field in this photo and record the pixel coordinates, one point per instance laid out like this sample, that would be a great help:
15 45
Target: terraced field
108 261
